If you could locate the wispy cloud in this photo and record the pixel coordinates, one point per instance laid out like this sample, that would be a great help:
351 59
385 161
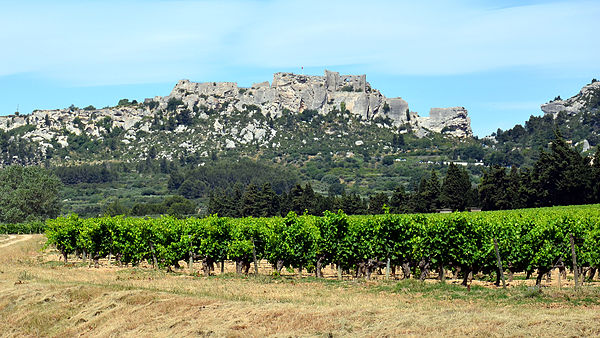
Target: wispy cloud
134 42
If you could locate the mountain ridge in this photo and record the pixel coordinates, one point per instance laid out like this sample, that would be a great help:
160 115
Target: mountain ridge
220 116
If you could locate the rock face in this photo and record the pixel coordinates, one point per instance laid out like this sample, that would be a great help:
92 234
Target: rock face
235 113
297 93
453 121
587 98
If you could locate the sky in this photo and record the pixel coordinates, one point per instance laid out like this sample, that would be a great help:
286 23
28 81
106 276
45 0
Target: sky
499 59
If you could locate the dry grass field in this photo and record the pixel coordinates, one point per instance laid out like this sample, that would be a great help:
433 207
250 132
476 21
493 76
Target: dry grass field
40 296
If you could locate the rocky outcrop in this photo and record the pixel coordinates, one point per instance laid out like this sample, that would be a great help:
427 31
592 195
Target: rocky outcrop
287 94
296 93
587 98
452 121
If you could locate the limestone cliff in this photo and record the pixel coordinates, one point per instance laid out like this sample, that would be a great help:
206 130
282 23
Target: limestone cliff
219 116
323 94
588 98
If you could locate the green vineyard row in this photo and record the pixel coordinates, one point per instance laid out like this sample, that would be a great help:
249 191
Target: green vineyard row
529 240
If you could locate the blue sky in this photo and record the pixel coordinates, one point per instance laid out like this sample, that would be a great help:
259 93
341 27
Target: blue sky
499 59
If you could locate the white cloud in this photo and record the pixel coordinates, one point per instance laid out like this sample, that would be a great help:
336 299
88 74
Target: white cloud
134 42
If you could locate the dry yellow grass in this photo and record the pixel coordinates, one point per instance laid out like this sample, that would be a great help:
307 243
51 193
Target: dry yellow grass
41 298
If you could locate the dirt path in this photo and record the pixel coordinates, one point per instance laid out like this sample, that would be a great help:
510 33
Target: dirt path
12 239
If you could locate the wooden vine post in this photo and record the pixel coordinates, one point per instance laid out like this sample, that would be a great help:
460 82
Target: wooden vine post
154 260
191 253
575 272
254 256
499 263
387 269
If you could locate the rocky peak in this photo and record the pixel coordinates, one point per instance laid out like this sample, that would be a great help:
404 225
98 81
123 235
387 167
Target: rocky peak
453 121
231 115
587 99
297 92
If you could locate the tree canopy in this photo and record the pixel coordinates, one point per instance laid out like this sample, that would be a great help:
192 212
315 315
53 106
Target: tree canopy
28 193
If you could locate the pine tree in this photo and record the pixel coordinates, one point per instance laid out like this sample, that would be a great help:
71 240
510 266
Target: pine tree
399 202
562 176
596 177
251 204
295 200
268 201
432 192
352 204
494 189
376 203
417 201
455 188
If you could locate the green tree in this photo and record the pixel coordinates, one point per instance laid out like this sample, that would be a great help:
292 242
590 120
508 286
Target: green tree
494 189
456 187
268 201
251 201
596 179
115 208
28 193
562 176
399 202
179 206
432 192
123 103
376 203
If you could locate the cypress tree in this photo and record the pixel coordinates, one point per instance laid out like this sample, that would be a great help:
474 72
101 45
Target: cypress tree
455 188
251 204
494 189
376 203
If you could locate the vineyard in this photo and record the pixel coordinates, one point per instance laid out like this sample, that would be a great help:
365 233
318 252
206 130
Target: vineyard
528 240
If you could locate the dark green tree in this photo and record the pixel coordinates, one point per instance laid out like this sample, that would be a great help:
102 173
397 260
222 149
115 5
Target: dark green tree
432 192
176 178
115 208
251 205
399 201
28 193
494 189
352 204
179 206
268 201
376 203
562 176
455 189
596 178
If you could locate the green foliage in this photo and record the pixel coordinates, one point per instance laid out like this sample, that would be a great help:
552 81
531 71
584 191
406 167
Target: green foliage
126 103
27 194
386 108
85 173
377 202
529 239
173 103
563 176
35 227
455 189
116 208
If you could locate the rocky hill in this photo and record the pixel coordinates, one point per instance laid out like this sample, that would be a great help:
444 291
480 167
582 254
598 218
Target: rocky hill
576 118
293 112
588 99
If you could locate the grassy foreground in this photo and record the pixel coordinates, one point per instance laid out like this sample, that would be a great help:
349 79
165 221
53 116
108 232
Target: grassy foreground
41 297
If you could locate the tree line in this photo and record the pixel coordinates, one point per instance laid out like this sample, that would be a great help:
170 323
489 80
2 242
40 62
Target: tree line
454 192
561 176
